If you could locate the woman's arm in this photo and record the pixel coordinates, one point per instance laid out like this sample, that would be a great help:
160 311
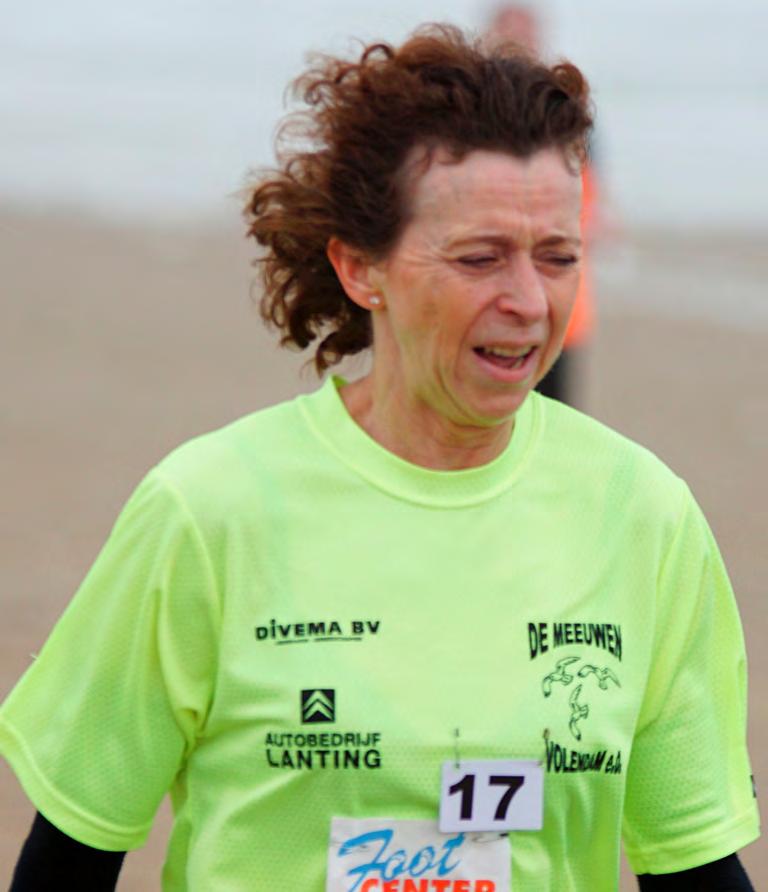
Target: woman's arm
51 860
725 875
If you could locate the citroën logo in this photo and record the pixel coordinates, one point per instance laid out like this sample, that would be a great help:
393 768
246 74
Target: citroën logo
318 705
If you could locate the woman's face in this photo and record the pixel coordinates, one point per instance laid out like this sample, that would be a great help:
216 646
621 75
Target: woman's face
477 292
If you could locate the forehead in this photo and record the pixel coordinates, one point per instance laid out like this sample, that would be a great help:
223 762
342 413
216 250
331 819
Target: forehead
492 187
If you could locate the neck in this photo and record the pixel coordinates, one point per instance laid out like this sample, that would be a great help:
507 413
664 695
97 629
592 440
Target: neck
415 432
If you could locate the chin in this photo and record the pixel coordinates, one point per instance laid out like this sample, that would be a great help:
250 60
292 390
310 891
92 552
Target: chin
497 411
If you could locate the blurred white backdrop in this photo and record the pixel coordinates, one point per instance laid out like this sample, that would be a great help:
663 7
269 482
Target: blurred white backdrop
159 107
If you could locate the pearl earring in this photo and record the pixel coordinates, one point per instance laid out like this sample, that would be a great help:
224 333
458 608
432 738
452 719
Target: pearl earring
374 300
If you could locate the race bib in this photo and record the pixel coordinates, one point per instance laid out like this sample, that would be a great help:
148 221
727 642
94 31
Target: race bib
491 795
393 855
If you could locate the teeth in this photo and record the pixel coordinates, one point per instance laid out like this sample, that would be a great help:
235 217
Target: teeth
507 353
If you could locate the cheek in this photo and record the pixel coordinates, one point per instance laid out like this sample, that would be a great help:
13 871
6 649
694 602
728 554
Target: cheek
418 318
563 299
433 341
432 318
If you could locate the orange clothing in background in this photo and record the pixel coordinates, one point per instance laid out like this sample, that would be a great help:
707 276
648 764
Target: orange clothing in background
582 322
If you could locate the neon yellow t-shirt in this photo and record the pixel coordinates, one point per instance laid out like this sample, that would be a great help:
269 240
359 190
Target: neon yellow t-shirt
288 623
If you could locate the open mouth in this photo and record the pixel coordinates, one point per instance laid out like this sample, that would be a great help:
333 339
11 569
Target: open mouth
503 357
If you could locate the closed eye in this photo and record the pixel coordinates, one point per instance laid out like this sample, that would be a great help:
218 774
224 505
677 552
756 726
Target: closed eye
477 260
562 259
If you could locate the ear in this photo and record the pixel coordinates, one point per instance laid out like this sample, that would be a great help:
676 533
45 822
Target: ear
354 270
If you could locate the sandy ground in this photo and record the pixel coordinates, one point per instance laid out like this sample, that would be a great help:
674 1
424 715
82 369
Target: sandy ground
117 343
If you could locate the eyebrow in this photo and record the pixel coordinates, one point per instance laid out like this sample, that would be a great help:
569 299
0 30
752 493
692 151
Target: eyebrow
561 240
503 241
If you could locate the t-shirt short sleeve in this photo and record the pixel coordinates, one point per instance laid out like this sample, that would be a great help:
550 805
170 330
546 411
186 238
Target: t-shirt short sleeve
689 796
98 727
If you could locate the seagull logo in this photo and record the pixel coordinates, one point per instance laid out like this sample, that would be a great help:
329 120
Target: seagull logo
578 711
565 673
560 675
318 705
603 676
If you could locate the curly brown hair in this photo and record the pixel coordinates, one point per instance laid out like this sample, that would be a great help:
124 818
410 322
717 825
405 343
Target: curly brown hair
439 89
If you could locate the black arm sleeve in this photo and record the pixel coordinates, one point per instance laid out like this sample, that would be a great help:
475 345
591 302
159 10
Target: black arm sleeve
725 875
51 861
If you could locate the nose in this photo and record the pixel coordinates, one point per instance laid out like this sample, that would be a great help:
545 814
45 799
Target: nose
521 290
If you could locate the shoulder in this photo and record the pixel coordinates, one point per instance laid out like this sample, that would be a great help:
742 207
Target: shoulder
596 448
601 464
236 445
215 473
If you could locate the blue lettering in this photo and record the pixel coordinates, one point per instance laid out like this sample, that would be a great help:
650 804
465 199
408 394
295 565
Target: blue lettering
382 836
428 856
392 870
394 865
444 867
